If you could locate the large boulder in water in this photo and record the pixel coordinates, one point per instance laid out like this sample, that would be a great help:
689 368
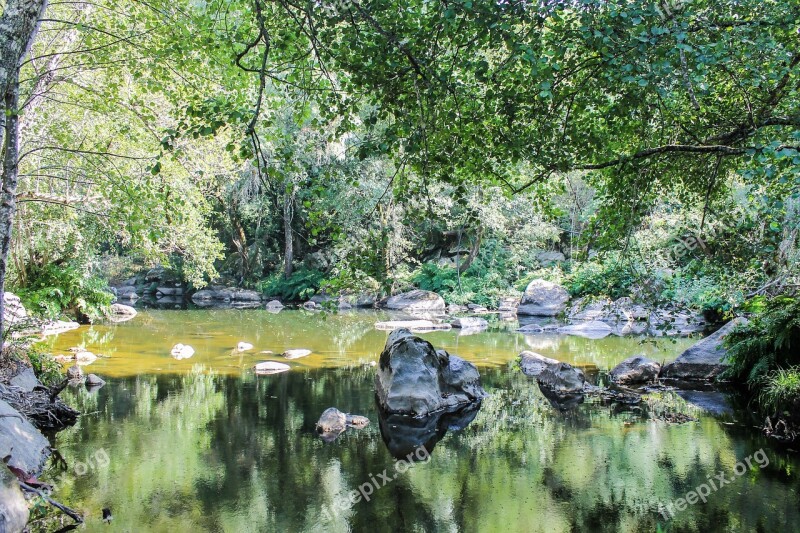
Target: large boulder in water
416 301
705 360
543 298
635 370
414 378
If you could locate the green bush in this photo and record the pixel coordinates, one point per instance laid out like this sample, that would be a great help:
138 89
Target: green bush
478 284
301 285
44 366
66 289
612 277
768 343
781 390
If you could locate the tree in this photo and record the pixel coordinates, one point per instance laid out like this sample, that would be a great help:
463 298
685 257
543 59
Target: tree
18 25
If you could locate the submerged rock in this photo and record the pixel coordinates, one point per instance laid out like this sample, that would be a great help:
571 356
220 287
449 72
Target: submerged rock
271 367
543 298
635 370
590 330
703 361
416 301
470 322
296 353
415 378
333 423
413 325
182 351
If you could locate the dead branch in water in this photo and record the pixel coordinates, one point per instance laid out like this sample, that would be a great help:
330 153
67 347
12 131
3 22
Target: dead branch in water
61 507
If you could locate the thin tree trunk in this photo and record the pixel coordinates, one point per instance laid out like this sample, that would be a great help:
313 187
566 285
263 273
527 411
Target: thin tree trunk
18 25
8 197
288 240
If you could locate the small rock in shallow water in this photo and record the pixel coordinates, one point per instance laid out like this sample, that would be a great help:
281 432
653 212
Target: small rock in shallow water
182 351
271 367
244 346
296 353
74 373
93 380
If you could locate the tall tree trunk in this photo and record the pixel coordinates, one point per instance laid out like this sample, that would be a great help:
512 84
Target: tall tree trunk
8 196
18 25
288 240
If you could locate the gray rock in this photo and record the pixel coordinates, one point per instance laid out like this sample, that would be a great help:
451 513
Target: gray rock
169 291
598 309
543 298
531 328
25 379
414 378
532 363
74 373
332 421
230 294
590 330
26 445
635 370
126 293
413 325
93 380
557 377
508 304
121 313
562 379
456 308
13 506
311 306
416 300
296 353
470 322
274 304
703 361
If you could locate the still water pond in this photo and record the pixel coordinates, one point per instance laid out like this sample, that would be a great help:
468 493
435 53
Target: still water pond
203 444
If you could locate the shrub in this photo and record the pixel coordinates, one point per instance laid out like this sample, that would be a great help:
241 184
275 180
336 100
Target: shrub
56 290
768 343
612 277
44 366
781 390
301 285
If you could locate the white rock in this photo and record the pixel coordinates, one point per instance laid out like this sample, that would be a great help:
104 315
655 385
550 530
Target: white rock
296 353
182 351
244 346
590 330
271 367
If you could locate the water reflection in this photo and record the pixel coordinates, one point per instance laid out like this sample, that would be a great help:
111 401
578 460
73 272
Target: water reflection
201 451
405 435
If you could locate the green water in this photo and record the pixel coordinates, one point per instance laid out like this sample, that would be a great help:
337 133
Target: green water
203 444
